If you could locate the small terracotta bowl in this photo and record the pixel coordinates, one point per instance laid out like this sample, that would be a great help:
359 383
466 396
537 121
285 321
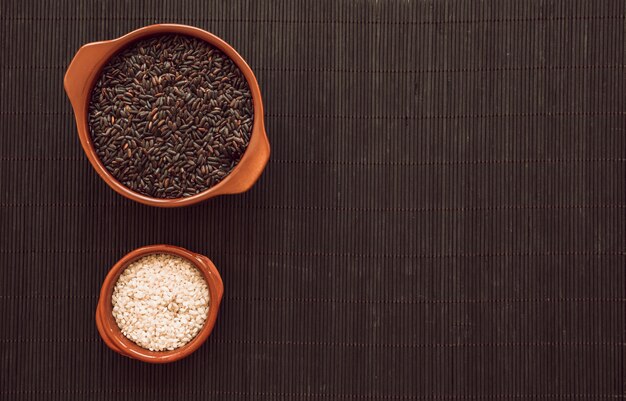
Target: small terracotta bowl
110 332
84 71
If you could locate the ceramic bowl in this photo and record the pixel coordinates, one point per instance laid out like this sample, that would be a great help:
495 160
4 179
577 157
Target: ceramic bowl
110 332
84 71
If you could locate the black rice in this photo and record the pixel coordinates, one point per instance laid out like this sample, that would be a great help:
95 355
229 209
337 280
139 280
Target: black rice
170 116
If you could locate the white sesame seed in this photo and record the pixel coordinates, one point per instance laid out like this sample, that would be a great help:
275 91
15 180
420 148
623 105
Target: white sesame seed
160 302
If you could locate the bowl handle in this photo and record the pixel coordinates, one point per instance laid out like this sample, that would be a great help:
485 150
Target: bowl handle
103 332
81 70
217 279
252 165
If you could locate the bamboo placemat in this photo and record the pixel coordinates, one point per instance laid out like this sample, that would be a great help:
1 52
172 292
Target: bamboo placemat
443 216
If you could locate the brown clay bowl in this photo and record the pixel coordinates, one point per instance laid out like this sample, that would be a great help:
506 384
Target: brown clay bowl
110 332
83 72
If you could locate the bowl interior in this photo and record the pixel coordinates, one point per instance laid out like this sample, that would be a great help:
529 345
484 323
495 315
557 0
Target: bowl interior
127 346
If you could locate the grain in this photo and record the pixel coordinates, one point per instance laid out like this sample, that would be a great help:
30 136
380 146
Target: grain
160 302
170 116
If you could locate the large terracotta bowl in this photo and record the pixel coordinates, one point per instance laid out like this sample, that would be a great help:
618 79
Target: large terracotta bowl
109 330
84 71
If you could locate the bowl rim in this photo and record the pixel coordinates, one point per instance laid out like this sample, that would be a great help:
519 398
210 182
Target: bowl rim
252 162
109 330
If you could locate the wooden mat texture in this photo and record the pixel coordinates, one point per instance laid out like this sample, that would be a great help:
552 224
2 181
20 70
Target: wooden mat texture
443 216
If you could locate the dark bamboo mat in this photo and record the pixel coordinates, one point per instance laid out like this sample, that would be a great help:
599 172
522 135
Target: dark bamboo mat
443 216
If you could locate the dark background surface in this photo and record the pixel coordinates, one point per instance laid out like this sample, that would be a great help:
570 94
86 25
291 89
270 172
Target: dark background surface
443 216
